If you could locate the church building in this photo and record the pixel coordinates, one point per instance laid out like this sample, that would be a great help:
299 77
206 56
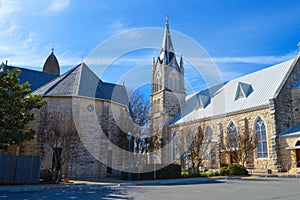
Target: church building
264 103
76 131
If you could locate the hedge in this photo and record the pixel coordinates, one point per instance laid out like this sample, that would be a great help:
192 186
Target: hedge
233 170
147 172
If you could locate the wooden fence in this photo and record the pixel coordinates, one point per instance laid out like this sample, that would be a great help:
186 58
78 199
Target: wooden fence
19 169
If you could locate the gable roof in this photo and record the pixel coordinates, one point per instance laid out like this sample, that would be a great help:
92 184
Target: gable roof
264 85
35 78
81 81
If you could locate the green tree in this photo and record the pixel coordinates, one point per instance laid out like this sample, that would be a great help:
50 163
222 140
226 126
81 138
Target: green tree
16 104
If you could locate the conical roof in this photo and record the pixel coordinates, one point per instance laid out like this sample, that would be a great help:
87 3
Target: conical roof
51 65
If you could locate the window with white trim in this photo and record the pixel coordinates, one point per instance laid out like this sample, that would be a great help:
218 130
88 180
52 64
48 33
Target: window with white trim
262 146
232 137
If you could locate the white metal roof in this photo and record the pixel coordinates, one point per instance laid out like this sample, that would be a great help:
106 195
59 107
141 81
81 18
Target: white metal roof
264 84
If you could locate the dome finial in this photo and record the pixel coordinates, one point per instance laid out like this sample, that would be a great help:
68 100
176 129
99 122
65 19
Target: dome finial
52 49
51 64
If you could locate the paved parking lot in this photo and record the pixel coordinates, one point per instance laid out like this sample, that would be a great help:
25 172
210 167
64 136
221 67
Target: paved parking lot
233 189
255 189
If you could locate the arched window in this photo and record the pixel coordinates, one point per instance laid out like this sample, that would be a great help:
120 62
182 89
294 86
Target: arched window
189 141
155 86
158 82
175 146
260 131
209 132
175 84
232 137
172 82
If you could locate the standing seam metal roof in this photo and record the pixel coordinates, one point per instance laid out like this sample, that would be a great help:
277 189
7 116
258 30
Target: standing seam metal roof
264 85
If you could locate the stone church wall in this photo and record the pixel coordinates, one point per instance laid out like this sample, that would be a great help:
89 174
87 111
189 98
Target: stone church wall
283 103
288 156
92 136
220 127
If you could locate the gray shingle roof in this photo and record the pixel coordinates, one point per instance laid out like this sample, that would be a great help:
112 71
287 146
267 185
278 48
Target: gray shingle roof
35 78
81 81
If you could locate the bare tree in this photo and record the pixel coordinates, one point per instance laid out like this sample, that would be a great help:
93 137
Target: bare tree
247 143
241 145
62 139
139 112
139 108
199 148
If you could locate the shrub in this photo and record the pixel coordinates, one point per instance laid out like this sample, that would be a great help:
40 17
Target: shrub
224 165
46 175
224 171
163 172
217 173
233 170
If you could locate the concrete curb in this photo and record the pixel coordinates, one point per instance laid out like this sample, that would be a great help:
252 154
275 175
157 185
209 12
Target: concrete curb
173 181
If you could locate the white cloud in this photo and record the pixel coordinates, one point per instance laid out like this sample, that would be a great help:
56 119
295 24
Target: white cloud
119 26
23 47
7 8
255 59
58 5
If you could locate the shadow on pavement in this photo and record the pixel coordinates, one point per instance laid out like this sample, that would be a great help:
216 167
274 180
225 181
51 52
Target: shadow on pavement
87 193
178 182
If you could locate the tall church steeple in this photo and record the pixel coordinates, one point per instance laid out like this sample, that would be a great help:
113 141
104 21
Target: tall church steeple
168 92
167 53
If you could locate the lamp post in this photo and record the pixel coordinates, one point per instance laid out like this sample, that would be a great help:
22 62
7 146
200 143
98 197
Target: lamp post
129 138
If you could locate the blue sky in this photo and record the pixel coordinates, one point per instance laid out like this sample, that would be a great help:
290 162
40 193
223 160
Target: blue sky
240 36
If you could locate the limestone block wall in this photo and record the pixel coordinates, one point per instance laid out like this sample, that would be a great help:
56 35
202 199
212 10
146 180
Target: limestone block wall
173 102
220 129
283 103
288 156
85 129
296 105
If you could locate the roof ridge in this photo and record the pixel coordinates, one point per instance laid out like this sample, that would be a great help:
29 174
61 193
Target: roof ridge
60 79
295 60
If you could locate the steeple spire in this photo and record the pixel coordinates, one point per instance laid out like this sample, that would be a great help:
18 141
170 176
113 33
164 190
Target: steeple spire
167 50
167 20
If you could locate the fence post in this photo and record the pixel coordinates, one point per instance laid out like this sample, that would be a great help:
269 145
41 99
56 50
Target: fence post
31 169
16 168
1 168
39 169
